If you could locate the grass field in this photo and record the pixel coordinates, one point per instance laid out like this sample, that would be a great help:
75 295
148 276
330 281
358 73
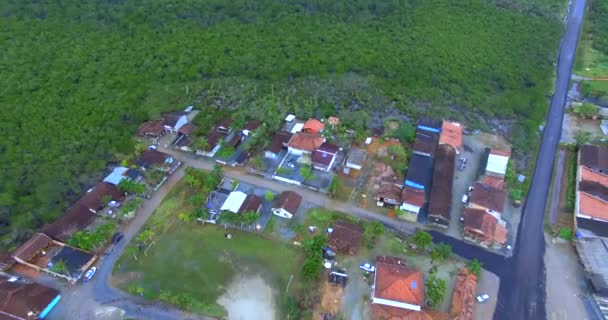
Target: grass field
195 263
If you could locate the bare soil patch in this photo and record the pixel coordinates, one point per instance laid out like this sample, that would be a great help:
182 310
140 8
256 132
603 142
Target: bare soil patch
249 298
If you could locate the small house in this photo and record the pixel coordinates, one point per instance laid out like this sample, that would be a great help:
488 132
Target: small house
398 291
498 161
481 226
324 157
313 126
488 198
234 201
345 237
279 142
388 195
451 135
173 121
355 159
413 200
23 300
252 203
287 204
224 127
250 127
156 160
153 129
304 143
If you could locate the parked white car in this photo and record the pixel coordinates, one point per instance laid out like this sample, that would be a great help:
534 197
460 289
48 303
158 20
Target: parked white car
367 267
89 274
483 298
465 198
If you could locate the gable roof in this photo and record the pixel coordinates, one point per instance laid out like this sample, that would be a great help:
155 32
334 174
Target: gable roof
152 127
593 176
395 282
429 124
389 191
171 118
225 123
306 141
35 244
251 125
594 157
234 201
82 213
213 138
494 182
20 300
488 197
116 175
313 126
463 298
479 219
451 134
324 154
279 139
151 157
252 203
345 237
186 129
288 201
594 189
413 196
441 191
592 206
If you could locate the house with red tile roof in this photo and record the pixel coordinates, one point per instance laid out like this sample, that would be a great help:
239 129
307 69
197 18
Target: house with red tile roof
440 202
484 228
463 298
313 126
451 134
591 204
488 198
324 156
152 128
279 141
304 143
389 195
20 300
412 201
398 291
345 237
287 204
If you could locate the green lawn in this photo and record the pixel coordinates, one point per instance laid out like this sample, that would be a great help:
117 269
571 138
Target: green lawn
197 262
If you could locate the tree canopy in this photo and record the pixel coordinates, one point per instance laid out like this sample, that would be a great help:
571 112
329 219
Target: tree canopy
79 76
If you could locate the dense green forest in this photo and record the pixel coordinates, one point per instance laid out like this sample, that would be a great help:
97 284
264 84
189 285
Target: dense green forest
598 13
78 76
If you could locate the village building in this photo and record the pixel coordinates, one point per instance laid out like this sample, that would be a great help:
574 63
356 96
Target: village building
497 163
440 202
287 204
84 211
279 142
156 160
304 143
484 228
355 159
173 121
389 195
451 135
324 156
42 253
463 298
398 290
152 129
412 201
313 126
252 203
591 204
487 198
345 237
23 300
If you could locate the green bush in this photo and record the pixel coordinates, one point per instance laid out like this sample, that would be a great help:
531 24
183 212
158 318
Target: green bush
565 233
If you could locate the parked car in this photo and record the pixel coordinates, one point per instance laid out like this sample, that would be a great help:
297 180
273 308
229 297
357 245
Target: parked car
89 274
465 199
117 237
367 267
152 147
114 204
483 298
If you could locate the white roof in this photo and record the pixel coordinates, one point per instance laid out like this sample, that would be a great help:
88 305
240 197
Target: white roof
116 175
297 128
396 304
497 164
290 117
234 201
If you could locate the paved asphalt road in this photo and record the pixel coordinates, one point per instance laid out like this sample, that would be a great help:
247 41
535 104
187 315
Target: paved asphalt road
522 291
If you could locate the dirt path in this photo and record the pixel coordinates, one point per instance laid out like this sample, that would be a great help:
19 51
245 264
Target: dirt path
249 298
557 186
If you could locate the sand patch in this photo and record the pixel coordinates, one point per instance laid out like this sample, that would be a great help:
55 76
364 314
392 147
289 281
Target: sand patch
249 298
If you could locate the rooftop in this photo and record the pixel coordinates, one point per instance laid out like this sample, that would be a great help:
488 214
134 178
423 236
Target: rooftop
37 243
313 126
497 162
441 192
356 156
592 206
345 237
593 176
152 157
419 172
485 223
426 142
306 141
593 253
389 191
116 175
488 197
234 201
279 139
186 129
252 203
413 196
325 154
289 201
594 157
171 118
463 298
429 124
153 127
494 182
397 286
24 300
451 134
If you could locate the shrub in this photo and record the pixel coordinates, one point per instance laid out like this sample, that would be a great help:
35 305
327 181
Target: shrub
565 233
